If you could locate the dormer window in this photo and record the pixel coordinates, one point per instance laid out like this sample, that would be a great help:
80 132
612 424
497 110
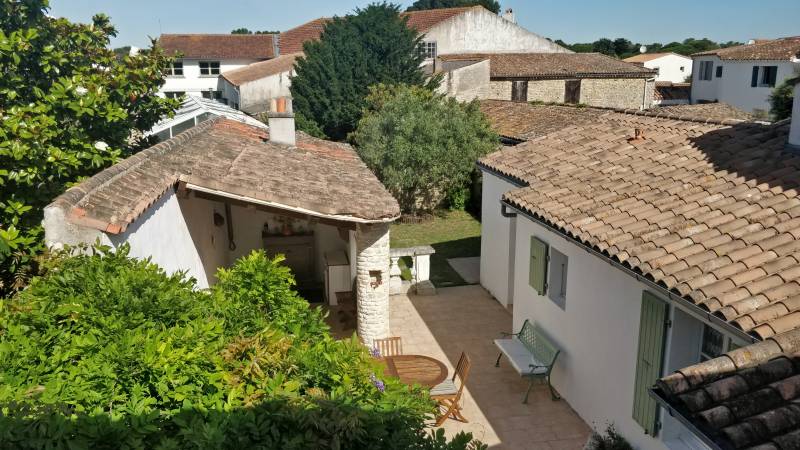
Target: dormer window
175 69
428 50
209 68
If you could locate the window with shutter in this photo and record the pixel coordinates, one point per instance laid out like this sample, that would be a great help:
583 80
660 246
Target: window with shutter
538 266
652 333
754 78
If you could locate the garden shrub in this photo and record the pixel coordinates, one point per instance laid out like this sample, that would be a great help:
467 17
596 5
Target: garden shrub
608 440
105 351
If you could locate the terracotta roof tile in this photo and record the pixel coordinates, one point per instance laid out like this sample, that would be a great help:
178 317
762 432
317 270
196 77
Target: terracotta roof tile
221 154
554 65
715 111
221 46
783 49
523 121
256 71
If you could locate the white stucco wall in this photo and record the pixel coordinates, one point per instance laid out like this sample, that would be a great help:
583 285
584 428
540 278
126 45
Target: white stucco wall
734 87
496 239
254 96
480 30
192 83
466 82
669 68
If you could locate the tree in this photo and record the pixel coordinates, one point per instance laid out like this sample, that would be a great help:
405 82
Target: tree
68 108
604 46
623 46
781 98
419 5
420 144
353 53
246 31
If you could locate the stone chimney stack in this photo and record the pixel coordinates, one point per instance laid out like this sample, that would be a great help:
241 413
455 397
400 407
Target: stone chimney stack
281 121
508 14
794 131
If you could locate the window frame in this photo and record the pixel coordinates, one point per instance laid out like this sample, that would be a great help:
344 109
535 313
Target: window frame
728 344
429 49
705 71
174 94
557 275
768 76
173 68
209 68
718 72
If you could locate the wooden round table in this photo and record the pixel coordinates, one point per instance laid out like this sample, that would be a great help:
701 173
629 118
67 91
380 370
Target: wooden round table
416 369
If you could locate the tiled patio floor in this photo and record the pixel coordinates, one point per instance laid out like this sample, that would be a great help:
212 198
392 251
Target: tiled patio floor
467 319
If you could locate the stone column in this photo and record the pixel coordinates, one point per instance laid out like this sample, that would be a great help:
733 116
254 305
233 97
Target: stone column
372 281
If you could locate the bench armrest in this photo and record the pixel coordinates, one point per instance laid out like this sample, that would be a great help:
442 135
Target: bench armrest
536 366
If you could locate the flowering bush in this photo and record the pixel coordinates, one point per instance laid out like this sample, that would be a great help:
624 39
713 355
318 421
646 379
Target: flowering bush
104 351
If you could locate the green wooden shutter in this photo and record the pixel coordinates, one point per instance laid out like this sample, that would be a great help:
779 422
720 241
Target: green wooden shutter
652 331
754 78
538 266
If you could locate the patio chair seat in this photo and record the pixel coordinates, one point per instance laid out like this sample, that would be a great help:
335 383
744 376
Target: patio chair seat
520 357
446 387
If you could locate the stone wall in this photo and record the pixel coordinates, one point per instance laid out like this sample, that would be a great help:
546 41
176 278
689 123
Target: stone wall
548 91
614 92
465 82
372 281
499 90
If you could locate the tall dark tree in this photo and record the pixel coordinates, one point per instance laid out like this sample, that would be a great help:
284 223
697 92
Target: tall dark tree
623 46
419 5
604 46
354 52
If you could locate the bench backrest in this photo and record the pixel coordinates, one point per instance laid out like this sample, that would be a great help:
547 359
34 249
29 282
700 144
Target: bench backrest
534 339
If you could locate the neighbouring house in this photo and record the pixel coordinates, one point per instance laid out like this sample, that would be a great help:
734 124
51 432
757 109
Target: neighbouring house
745 75
196 110
202 58
588 78
644 243
251 88
223 188
667 93
669 67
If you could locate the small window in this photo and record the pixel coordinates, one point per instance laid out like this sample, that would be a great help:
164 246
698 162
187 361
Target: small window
428 50
658 70
719 71
209 67
557 283
769 75
175 69
713 344
174 94
704 73
214 95
683 69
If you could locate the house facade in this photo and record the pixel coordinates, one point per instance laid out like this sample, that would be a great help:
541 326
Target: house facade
251 88
744 76
669 67
212 194
575 78
644 244
202 58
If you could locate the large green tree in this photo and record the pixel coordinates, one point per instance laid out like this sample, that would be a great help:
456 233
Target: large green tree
354 52
422 145
68 107
419 5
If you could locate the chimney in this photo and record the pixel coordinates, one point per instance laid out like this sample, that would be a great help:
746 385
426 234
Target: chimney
281 121
794 130
508 14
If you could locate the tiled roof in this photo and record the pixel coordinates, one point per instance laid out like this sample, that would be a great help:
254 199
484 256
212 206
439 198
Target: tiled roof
222 46
709 211
523 121
714 111
747 398
554 65
256 71
291 41
783 49
321 176
644 57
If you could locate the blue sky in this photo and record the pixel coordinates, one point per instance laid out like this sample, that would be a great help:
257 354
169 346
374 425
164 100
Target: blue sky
572 21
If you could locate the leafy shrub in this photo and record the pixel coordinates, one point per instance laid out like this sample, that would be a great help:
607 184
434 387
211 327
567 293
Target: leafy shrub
104 351
781 98
610 440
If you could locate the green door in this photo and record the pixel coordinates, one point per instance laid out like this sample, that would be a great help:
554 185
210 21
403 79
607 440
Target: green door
537 271
652 332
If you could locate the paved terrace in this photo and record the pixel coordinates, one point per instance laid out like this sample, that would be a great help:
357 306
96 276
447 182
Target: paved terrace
467 318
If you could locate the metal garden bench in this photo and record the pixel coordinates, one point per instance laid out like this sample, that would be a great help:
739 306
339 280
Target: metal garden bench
531 354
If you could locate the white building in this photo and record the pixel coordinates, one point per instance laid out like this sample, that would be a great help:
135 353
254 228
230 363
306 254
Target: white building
204 57
670 67
744 76
251 88
642 245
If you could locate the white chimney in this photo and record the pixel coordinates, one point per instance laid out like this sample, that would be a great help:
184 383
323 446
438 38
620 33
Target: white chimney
794 130
281 121
508 14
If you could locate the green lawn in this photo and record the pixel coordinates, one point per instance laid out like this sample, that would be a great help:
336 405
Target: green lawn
452 234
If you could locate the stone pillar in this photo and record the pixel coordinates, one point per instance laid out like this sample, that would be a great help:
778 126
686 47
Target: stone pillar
372 281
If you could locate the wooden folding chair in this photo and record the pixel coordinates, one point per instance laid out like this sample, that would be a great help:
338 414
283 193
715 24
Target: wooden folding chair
448 395
391 346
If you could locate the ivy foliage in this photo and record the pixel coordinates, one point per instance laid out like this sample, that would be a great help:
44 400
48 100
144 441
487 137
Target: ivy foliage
105 351
354 52
68 107
420 144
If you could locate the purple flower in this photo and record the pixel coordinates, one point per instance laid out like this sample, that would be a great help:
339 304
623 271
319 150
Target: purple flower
375 352
378 383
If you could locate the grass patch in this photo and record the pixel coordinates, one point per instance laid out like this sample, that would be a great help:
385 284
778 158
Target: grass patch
453 234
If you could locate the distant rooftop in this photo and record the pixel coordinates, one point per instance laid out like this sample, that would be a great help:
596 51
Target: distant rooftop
554 65
783 49
644 57
222 46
